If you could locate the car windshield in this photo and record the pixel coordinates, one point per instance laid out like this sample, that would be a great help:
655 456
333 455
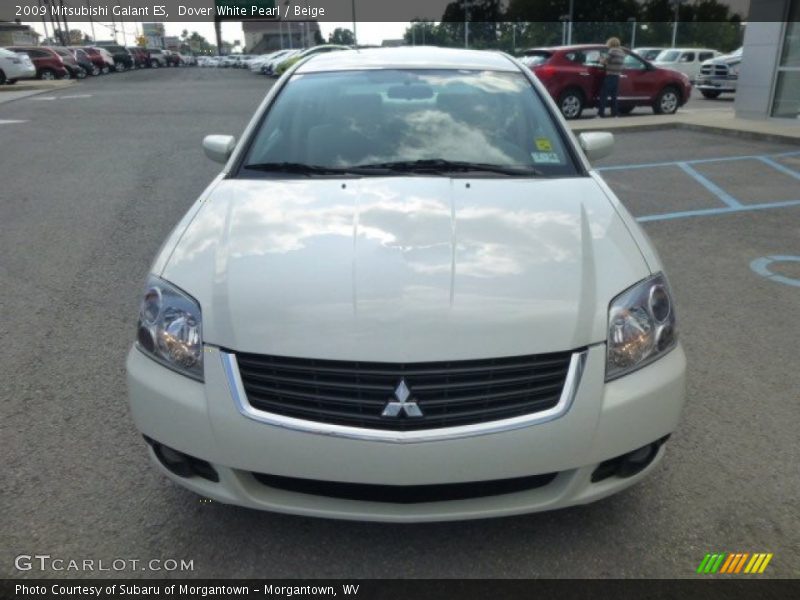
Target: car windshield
668 56
398 119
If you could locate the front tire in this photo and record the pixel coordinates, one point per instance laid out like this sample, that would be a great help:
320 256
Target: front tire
571 104
710 94
120 68
2 78
47 74
95 71
667 101
154 64
81 74
67 75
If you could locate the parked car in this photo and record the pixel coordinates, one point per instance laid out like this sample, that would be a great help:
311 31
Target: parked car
76 71
173 58
648 53
228 61
84 62
268 68
104 56
685 60
158 58
255 63
15 66
93 64
49 63
284 65
188 60
122 58
573 74
487 331
141 57
207 61
720 75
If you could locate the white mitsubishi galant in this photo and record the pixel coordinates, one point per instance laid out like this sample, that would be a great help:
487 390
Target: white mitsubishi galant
407 297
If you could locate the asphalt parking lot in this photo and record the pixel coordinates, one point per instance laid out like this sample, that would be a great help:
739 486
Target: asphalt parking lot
93 183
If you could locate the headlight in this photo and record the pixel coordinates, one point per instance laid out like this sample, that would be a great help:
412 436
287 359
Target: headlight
170 328
641 326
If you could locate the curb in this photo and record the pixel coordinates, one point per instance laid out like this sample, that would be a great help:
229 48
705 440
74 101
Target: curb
18 93
732 132
38 85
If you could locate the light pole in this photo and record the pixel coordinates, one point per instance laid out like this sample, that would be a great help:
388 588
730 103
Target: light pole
569 30
632 21
563 19
677 5
513 38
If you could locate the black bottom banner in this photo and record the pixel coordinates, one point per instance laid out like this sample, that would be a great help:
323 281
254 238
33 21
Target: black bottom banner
400 589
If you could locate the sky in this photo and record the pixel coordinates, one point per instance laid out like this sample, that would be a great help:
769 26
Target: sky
368 33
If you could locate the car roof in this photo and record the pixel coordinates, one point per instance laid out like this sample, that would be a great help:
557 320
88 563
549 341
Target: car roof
687 49
408 57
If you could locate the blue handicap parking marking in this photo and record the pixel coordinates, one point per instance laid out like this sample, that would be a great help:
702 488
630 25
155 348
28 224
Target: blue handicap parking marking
732 205
761 267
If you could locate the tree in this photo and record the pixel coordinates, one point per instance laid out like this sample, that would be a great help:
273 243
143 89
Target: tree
78 38
341 36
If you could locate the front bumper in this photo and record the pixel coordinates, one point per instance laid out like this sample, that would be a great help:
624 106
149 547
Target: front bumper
605 420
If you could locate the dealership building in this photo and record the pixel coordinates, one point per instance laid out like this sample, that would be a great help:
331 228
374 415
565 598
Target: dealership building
769 78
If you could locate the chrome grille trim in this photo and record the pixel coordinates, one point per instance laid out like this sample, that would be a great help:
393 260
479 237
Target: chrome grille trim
571 384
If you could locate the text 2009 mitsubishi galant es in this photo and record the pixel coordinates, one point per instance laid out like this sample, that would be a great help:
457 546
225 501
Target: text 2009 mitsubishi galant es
407 297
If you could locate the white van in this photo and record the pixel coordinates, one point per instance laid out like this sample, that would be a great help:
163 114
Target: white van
685 60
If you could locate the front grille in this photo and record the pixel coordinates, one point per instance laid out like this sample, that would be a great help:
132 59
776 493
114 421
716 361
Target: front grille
448 394
718 70
405 494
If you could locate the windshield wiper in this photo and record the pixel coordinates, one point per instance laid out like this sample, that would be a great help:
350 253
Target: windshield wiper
297 168
440 165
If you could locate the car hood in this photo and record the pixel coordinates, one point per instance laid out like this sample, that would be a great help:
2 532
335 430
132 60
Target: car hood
404 269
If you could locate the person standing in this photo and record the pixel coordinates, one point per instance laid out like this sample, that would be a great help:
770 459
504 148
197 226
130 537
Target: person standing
610 87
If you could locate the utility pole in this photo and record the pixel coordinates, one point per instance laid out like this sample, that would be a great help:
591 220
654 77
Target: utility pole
44 22
91 22
54 23
218 31
65 41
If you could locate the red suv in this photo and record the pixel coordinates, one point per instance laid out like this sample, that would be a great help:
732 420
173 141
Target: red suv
49 64
573 74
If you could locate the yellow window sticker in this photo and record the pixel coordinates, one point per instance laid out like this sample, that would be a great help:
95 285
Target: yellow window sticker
543 145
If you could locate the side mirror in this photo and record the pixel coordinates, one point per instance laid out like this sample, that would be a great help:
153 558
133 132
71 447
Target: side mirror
596 144
219 147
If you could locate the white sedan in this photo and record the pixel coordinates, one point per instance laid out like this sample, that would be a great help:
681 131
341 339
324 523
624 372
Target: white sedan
407 297
15 66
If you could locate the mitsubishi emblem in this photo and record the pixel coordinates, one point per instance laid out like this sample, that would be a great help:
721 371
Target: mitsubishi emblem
403 403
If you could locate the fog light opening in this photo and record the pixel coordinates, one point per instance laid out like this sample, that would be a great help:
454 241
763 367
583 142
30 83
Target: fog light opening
628 464
182 464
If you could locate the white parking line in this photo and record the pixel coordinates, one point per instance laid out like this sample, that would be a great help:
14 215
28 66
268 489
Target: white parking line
46 98
7 121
